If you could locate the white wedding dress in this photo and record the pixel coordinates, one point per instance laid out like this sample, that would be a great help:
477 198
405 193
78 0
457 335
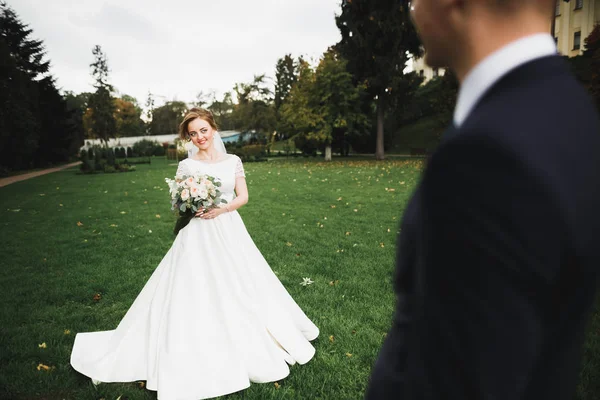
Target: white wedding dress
212 318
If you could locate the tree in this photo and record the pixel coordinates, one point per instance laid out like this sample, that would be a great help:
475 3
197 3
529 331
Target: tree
34 119
299 113
592 53
222 110
166 119
127 117
133 101
101 104
77 105
60 138
255 111
339 102
324 105
377 36
203 98
285 77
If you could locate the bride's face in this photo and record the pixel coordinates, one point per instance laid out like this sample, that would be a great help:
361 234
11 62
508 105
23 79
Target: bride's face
201 133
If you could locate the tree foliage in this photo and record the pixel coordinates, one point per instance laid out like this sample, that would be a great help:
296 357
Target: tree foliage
223 110
166 118
377 36
255 111
286 74
592 53
101 104
323 105
128 118
35 123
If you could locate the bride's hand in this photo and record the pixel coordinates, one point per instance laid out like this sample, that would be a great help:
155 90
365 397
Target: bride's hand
210 213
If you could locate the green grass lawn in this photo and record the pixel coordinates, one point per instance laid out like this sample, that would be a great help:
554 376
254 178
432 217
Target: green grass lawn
68 237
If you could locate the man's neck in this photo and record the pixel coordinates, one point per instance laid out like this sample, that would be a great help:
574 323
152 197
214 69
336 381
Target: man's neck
485 38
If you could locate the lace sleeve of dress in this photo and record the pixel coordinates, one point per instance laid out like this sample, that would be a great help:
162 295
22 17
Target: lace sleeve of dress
239 169
181 169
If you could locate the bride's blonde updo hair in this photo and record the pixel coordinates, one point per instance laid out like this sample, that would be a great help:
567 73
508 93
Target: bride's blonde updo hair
193 114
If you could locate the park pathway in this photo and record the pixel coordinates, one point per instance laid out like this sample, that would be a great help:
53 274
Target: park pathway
22 177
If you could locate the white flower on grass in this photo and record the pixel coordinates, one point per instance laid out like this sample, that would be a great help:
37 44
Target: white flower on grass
306 281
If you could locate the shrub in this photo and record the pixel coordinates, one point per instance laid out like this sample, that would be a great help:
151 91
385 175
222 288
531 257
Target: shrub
110 157
251 152
100 164
97 154
109 169
83 155
307 146
147 148
129 152
126 168
88 166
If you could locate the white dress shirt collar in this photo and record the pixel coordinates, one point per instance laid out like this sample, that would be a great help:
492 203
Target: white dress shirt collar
495 66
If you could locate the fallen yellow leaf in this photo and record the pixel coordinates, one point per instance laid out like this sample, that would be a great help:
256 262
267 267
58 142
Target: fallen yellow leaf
381 245
141 384
348 233
97 297
157 215
331 338
277 385
349 354
43 367
42 346
288 244
67 332
79 223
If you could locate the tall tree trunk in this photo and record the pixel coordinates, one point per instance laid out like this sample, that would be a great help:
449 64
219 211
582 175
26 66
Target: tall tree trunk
328 152
379 152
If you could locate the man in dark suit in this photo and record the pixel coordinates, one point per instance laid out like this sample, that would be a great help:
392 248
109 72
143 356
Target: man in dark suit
498 258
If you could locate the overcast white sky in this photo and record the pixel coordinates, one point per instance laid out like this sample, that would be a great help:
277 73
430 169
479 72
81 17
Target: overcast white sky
177 48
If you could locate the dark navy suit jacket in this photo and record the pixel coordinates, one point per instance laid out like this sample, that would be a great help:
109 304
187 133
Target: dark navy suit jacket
499 253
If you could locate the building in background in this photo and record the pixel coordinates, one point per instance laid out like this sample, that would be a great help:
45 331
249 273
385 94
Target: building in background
418 65
574 21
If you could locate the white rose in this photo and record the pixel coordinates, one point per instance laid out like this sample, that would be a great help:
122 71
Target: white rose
203 193
185 194
194 191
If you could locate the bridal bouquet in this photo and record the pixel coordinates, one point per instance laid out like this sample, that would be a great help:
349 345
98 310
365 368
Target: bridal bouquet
190 193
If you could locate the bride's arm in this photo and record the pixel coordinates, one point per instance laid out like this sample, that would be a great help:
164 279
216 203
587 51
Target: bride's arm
241 191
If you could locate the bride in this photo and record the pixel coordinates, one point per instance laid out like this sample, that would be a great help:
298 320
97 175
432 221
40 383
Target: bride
213 317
